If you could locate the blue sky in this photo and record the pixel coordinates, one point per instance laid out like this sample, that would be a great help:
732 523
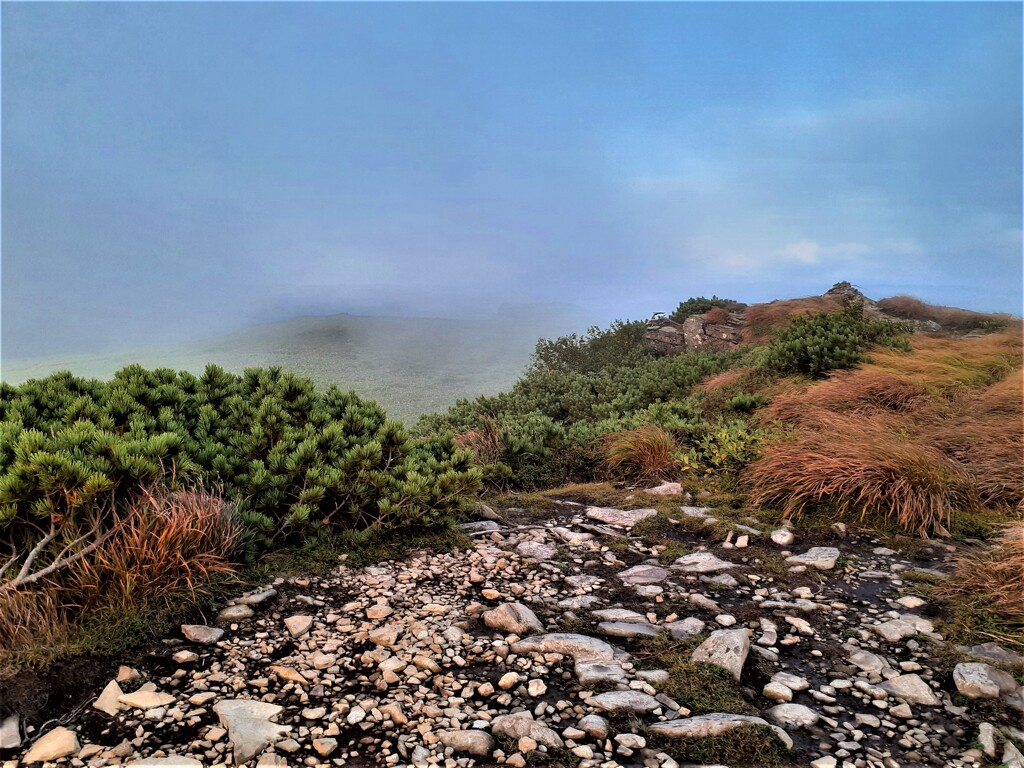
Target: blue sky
179 169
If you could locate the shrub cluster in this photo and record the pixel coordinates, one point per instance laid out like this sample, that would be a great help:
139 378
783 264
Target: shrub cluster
289 457
698 305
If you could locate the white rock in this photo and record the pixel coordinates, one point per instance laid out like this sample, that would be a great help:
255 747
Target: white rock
537 550
793 714
666 489
623 701
10 734
912 689
982 681
235 613
783 537
822 558
726 648
701 562
249 725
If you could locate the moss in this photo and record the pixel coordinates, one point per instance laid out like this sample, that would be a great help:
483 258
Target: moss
744 746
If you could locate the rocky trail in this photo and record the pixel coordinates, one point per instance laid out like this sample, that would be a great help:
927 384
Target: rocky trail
562 640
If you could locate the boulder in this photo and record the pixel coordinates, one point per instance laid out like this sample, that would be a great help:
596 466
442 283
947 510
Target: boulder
644 574
537 550
580 647
793 715
912 689
624 701
982 681
479 743
685 628
522 725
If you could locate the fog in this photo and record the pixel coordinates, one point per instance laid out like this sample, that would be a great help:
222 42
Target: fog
173 172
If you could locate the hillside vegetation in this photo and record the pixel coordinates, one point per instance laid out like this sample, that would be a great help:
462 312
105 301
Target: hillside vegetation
146 489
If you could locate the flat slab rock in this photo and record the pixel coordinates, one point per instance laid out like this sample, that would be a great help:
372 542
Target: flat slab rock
537 550
624 701
701 562
629 629
912 689
580 647
822 558
624 518
249 725
976 680
55 744
644 574
202 634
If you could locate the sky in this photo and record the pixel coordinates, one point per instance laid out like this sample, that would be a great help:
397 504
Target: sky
180 169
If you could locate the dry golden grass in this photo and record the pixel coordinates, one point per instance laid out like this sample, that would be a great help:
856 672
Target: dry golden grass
716 315
943 365
30 616
762 319
997 574
169 542
483 442
647 453
950 318
914 436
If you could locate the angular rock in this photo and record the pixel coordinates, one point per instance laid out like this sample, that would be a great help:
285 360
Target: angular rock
592 673
142 699
580 647
686 628
594 726
298 625
726 648
624 701
513 617
521 724
644 574
793 715
109 700
822 558
479 743
55 744
202 634
621 517
912 689
701 562
868 662
982 681
249 725
993 652
171 761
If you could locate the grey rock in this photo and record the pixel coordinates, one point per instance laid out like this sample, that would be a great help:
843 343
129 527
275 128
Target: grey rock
822 558
481 526
912 689
249 725
644 574
666 489
513 617
202 634
10 733
171 761
982 681
783 537
479 743
594 726
624 518
686 628
628 629
701 562
235 613
703 725
520 724
537 550
868 662
579 602
726 648
623 701
992 652
620 614
580 647
256 598
592 673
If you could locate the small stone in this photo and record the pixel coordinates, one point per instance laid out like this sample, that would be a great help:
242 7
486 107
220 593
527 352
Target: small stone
235 613
624 701
202 634
777 692
10 733
325 747
620 517
142 699
793 715
185 657
783 537
109 700
594 726
912 689
701 562
536 688
822 558
473 742
508 680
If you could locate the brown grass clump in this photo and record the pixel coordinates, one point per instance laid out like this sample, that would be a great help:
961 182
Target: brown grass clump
996 575
861 467
716 315
169 542
950 318
762 319
483 442
647 453
30 616
917 437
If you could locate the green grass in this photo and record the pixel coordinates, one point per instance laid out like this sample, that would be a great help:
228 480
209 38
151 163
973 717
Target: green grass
744 746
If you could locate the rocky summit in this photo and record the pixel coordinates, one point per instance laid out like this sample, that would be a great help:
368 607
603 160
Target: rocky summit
567 641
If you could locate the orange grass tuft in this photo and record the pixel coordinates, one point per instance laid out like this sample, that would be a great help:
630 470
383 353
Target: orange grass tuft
647 453
996 575
483 442
168 542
